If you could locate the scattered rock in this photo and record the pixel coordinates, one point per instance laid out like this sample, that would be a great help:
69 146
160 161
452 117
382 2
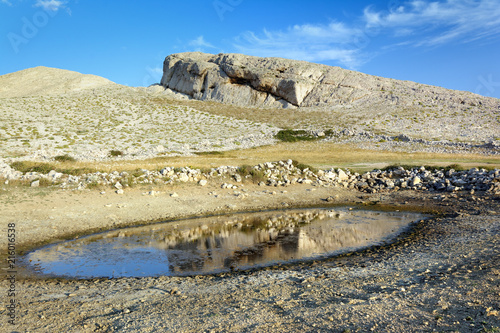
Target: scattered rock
416 180
342 175
183 177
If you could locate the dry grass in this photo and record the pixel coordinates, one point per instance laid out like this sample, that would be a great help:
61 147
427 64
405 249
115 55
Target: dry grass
317 154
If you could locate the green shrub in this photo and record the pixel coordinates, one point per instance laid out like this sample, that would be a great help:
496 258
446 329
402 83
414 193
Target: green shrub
44 182
64 158
289 135
44 168
303 166
244 170
257 176
115 153
25 166
214 152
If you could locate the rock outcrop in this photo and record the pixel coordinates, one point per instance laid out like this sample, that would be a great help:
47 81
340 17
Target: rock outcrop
274 82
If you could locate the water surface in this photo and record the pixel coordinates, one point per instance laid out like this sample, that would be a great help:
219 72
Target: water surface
222 243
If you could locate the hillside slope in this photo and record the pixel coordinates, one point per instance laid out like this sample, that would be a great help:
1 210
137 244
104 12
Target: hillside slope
41 80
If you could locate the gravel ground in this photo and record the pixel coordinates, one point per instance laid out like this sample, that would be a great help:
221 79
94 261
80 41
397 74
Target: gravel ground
444 276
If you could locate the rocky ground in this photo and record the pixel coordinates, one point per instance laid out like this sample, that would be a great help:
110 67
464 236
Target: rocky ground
444 276
91 118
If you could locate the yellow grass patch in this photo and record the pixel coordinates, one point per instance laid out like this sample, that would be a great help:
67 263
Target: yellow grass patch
317 154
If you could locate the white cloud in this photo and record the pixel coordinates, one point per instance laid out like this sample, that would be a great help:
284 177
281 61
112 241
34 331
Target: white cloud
434 23
412 23
200 43
7 2
311 42
50 5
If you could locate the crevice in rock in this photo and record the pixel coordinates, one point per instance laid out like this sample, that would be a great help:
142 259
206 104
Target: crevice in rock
240 81
246 82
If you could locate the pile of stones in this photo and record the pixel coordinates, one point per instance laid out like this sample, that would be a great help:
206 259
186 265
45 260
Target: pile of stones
276 174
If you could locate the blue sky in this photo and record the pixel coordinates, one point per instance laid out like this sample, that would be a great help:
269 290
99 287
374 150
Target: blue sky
450 43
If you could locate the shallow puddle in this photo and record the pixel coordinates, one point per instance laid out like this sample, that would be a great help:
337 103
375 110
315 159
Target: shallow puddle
222 243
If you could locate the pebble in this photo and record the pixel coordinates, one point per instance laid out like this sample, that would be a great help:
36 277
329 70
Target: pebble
174 195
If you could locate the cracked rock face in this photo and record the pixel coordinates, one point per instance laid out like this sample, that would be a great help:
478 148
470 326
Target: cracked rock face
281 83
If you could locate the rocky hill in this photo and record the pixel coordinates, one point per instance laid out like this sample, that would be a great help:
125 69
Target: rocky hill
281 83
41 80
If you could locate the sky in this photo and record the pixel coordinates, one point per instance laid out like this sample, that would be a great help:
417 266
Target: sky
449 43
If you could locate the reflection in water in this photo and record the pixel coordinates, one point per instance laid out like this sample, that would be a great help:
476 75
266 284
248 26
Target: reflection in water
220 243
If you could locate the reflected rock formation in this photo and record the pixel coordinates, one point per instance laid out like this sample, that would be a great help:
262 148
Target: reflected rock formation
214 244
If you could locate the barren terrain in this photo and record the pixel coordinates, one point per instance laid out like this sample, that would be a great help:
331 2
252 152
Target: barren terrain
444 275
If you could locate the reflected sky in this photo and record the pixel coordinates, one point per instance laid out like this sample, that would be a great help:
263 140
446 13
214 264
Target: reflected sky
222 243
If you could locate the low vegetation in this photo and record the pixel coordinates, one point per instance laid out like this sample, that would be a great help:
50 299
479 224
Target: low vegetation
314 154
290 135
64 158
45 167
257 176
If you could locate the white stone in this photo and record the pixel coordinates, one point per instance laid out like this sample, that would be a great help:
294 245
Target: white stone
342 175
183 177
416 180
203 182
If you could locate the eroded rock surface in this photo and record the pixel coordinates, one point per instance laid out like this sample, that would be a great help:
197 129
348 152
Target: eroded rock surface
275 82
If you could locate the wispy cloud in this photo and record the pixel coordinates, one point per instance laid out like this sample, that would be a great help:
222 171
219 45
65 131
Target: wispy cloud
414 23
311 42
7 2
199 44
50 5
435 23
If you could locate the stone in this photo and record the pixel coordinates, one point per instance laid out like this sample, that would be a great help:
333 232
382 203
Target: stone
389 183
342 175
119 191
416 180
35 183
174 195
283 83
203 182
183 177
118 185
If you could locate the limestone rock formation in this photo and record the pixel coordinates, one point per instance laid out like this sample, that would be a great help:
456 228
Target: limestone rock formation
275 82
47 81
